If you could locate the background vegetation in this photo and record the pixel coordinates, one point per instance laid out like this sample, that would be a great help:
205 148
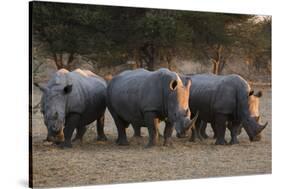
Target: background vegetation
106 36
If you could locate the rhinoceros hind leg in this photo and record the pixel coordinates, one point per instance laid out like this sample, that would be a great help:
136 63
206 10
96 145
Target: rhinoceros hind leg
182 135
220 128
194 136
100 129
233 142
203 126
137 131
121 128
80 133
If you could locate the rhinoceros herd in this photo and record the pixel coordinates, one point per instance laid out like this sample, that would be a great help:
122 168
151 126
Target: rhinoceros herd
72 100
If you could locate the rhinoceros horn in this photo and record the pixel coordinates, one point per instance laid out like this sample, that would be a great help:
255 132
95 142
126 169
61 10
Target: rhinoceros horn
261 128
192 122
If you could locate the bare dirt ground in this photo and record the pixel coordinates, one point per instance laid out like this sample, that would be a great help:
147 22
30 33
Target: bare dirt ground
95 162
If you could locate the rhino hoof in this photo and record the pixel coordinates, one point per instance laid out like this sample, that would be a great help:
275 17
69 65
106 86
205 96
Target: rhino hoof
65 145
149 145
232 142
76 139
220 142
181 135
122 142
204 135
168 143
194 139
138 136
101 138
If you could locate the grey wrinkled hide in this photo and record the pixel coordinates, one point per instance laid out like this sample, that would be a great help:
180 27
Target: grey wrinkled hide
87 98
132 94
211 94
228 95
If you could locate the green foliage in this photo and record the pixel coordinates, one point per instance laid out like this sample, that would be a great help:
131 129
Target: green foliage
114 35
253 41
71 28
210 30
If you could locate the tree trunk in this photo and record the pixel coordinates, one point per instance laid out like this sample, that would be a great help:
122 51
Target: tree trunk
148 52
215 67
169 60
150 64
137 59
70 58
58 58
69 66
218 61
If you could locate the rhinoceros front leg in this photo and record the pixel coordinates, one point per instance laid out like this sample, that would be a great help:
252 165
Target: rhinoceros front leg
137 131
152 123
100 129
220 125
168 134
72 120
80 133
195 132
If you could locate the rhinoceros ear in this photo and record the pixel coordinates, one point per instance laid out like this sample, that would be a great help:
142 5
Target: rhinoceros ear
258 94
67 89
173 85
187 81
251 92
41 87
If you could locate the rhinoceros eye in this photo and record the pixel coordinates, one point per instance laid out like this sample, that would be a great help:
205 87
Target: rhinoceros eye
173 85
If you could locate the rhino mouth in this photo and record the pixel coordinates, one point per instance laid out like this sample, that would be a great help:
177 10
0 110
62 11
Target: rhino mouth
187 124
255 135
256 138
56 137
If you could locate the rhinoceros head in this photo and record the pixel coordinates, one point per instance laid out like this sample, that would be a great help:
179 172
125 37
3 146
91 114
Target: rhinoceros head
253 128
178 106
53 105
253 102
251 125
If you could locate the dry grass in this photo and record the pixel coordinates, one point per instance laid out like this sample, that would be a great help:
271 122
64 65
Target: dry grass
95 162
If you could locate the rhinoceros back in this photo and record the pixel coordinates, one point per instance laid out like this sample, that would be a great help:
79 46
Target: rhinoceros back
88 92
132 93
124 94
219 94
203 94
